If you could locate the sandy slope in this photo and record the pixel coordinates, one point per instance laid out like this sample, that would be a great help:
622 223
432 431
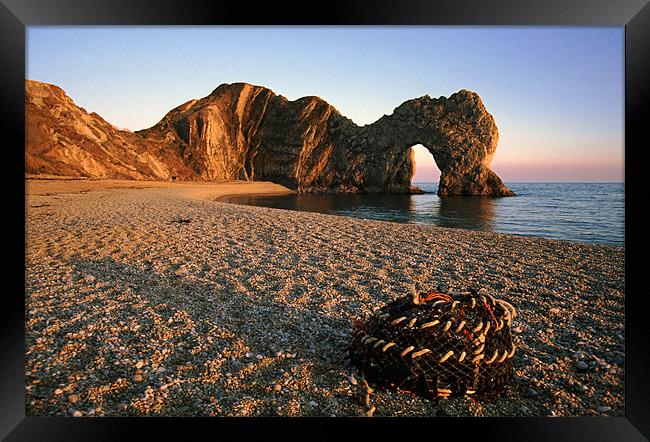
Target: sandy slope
241 310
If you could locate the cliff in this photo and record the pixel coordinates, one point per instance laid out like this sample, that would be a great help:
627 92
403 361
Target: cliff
241 131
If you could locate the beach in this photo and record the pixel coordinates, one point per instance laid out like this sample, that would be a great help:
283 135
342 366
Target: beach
154 298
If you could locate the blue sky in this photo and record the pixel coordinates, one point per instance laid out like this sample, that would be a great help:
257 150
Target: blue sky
556 93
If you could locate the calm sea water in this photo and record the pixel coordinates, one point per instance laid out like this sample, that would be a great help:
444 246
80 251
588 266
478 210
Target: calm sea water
586 212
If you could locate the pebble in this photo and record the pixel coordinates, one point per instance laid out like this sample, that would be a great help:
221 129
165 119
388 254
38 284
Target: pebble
554 311
581 365
313 404
603 408
248 354
139 364
137 378
277 387
58 392
619 360
77 413
523 409
259 357
579 388
73 398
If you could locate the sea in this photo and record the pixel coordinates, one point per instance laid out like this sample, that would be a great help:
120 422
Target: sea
582 212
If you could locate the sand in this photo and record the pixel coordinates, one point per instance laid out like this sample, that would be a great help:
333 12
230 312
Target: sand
151 298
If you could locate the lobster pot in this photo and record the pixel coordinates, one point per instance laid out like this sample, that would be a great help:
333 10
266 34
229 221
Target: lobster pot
436 344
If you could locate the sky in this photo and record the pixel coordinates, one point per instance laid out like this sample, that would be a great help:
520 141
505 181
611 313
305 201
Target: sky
556 93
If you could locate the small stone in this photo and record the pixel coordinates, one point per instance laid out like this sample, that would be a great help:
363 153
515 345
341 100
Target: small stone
579 388
313 404
277 387
532 392
554 311
58 392
523 409
619 360
77 413
139 364
581 365
73 398
603 408
137 378
517 329
259 357
248 354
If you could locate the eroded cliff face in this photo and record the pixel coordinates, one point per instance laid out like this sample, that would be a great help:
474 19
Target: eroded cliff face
241 131
64 139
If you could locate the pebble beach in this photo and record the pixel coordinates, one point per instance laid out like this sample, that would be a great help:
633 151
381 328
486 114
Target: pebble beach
157 299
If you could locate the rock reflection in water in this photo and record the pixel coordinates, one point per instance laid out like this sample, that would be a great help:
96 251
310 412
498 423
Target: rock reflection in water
476 213
463 212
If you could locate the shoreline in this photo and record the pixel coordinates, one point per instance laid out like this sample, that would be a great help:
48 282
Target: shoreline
246 311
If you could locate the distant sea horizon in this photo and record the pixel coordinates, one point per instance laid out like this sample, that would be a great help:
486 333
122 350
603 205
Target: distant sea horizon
590 212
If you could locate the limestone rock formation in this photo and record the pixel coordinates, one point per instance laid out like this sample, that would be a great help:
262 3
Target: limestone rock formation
241 131
64 139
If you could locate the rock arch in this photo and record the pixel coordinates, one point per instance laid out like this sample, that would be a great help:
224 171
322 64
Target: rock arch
458 132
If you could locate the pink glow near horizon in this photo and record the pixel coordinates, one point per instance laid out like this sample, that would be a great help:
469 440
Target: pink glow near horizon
599 168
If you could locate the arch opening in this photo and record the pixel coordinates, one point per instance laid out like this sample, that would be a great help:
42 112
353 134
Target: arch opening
424 166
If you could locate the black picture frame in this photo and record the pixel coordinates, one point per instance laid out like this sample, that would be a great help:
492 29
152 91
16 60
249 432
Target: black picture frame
16 15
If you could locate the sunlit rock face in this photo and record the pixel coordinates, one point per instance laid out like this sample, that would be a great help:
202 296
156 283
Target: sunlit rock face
241 131
64 139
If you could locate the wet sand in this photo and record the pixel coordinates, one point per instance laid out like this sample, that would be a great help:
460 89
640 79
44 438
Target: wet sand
152 298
